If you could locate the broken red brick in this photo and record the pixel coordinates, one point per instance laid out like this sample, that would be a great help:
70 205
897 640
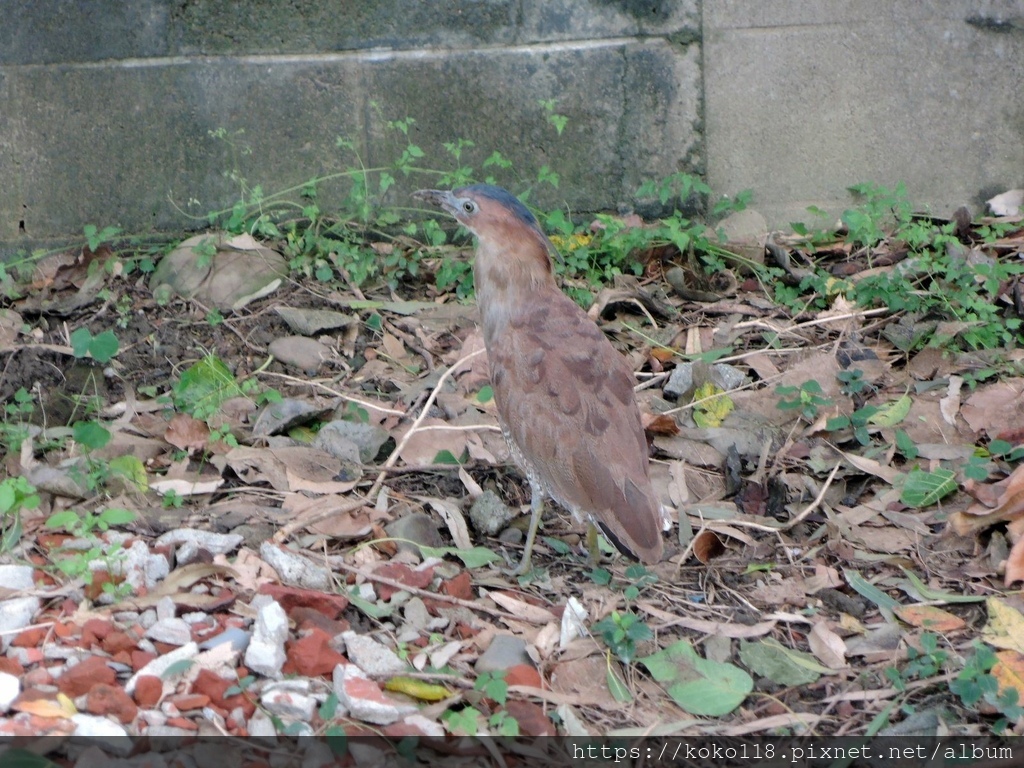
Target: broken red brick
30 638
291 598
111 700
148 690
81 678
403 574
312 656
187 701
460 587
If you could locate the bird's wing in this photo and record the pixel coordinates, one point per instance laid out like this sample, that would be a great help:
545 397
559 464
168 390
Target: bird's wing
566 397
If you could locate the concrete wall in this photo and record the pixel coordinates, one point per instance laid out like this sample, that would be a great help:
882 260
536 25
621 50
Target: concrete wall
106 107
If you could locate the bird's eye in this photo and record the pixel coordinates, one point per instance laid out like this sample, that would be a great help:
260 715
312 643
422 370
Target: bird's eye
469 206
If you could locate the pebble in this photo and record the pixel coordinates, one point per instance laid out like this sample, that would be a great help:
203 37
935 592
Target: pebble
289 704
16 576
265 653
277 418
368 438
165 608
191 540
299 352
9 690
261 726
364 700
376 660
504 652
159 666
172 631
308 322
141 567
410 529
93 726
294 569
236 636
489 514
724 376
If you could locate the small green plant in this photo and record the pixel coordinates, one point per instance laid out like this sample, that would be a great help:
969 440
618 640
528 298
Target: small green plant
76 563
921 664
852 381
621 632
101 348
96 237
807 398
976 683
16 494
14 426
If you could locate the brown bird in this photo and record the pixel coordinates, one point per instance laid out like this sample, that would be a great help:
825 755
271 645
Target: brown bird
564 394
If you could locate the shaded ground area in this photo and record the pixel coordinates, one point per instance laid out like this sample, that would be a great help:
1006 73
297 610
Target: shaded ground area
322 510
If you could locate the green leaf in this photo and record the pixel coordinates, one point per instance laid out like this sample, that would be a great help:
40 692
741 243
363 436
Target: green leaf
373 610
559 546
80 338
444 456
66 519
116 516
204 386
178 668
785 666
923 592
476 557
699 686
485 394
132 470
104 347
616 685
90 434
869 591
16 757
922 489
891 414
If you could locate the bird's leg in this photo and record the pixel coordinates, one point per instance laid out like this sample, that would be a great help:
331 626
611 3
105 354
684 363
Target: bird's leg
536 508
593 546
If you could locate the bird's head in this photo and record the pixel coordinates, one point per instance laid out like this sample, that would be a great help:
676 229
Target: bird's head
497 218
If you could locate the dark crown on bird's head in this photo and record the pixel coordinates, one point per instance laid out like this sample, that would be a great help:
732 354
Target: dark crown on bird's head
502 197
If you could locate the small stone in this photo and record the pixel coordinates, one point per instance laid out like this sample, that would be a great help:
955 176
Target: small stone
504 652
92 726
410 530
81 678
277 418
364 700
294 569
299 352
111 700
265 653
489 514
171 631
261 726
215 687
236 636
143 568
159 665
187 701
373 658
308 322
148 690
289 704
15 577
512 536
214 543
9 690
414 725
368 438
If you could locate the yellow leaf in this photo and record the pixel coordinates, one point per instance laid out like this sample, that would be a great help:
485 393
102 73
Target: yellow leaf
1005 627
47 708
929 617
67 704
418 689
1009 671
711 405
891 414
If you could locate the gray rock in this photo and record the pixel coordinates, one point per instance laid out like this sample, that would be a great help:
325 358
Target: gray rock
214 543
512 536
299 352
141 567
307 322
376 660
265 653
16 614
172 631
417 528
289 704
681 381
236 636
10 687
16 576
165 608
91 726
364 701
295 570
368 438
278 418
489 514
158 667
504 652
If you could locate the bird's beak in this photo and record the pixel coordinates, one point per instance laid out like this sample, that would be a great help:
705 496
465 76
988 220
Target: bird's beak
439 197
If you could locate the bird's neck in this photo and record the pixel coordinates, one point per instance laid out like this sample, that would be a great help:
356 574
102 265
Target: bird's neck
506 279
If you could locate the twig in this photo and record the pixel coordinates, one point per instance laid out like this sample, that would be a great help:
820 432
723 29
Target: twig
419 420
336 393
471 605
